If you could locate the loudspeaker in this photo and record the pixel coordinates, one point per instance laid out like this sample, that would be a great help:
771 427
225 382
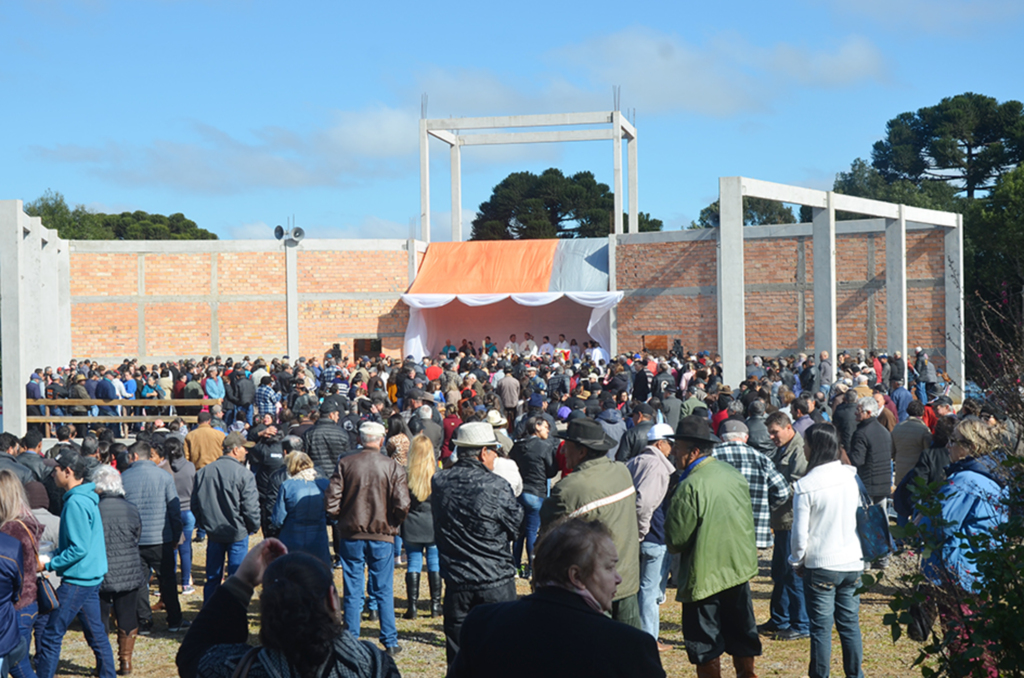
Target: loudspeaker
296 234
279 232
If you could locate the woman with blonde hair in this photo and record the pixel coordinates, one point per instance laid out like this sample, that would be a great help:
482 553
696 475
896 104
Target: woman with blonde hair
17 521
299 512
418 528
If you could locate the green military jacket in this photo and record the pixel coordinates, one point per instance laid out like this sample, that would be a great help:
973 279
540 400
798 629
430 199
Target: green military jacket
602 489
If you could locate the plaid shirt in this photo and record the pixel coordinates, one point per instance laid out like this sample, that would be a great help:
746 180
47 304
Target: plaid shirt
266 400
768 489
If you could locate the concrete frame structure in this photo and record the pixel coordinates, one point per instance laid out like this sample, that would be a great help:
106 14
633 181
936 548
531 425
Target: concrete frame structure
731 302
35 304
446 129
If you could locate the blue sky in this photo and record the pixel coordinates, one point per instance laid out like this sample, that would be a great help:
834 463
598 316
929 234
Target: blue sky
241 114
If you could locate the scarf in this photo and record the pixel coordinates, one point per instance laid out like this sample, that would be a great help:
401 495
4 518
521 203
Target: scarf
583 593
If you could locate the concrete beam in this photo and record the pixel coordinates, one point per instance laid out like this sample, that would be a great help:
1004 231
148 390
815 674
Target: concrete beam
628 130
756 188
501 122
424 182
896 287
824 248
874 208
954 277
926 216
447 137
535 137
732 337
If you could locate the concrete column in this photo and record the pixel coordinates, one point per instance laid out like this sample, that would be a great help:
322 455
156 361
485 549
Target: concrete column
141 303
424 182
823 229
214 307
634 200
43 246
292 299
896 287
64 301
732 337
410 246
613 241
954 276
13 316
617 169
456 192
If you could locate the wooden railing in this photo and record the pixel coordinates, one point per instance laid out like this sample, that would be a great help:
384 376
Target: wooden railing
48 418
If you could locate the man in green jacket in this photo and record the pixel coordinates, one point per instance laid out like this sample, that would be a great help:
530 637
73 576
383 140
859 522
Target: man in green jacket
710 524
601 489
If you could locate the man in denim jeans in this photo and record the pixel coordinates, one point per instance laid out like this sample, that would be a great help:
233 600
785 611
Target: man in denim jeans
652 472
81 562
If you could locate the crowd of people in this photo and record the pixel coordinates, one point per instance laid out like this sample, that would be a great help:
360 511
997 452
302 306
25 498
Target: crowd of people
597 480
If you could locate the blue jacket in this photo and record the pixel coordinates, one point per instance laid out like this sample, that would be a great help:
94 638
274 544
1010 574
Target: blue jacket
81 557
151 489
11 568
299 514
972 504
901 398
215 387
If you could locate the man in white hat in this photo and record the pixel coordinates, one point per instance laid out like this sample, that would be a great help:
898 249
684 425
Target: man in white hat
475 517
652 477
369 496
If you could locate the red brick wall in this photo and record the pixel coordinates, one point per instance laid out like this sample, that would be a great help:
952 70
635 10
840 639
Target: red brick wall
178 329
772 314
177 274
104 329
251 326
353 271
251 273
104 275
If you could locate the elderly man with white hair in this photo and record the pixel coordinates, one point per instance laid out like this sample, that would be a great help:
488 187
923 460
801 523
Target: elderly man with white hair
871 451
369 496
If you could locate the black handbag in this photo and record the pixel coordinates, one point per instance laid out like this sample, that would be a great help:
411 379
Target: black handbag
46 596
872 527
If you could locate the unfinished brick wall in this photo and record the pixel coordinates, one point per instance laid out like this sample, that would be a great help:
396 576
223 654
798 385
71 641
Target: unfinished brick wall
670 290
207 298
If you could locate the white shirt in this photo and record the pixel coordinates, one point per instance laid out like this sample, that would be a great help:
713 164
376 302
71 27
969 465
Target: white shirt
546 348
509 470
512 346
528 347
562 345
824 531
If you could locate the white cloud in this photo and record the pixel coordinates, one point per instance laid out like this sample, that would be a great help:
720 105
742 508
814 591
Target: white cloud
662 73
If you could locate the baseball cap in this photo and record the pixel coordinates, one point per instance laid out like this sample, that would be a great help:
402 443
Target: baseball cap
233 440
70 460
733 426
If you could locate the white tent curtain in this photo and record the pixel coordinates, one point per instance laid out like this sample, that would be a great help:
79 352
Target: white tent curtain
418 343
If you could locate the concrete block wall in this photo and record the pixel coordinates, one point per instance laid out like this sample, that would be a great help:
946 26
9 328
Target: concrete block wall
157 300
669 281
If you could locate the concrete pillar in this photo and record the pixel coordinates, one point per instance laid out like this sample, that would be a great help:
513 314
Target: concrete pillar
424 182
634 200
13 315
292 299
732 337
410 247
617 169
64 300
896 287
456 192
954 276
823 231
613 241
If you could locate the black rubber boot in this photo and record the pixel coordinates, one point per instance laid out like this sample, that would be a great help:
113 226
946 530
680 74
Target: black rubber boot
412 592
434 580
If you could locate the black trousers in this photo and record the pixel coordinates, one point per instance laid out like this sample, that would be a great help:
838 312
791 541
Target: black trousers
457 605
722 623
124 603
160 559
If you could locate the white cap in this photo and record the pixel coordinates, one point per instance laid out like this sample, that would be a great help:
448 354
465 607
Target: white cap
659 432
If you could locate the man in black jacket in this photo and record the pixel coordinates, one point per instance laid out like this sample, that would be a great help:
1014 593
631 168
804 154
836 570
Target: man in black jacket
871 453
635 439
475 517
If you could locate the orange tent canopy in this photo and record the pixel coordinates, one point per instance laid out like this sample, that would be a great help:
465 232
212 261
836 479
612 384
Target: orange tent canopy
486 267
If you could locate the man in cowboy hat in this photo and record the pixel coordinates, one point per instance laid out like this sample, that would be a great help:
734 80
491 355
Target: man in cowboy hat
600 489
710 524
476 515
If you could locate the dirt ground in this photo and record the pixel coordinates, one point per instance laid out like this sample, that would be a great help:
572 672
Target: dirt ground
423 639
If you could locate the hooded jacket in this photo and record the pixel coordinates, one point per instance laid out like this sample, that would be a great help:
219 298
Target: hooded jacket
81 557
612 423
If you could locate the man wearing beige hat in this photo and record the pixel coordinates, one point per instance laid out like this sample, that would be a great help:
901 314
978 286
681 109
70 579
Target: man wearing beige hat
475 517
